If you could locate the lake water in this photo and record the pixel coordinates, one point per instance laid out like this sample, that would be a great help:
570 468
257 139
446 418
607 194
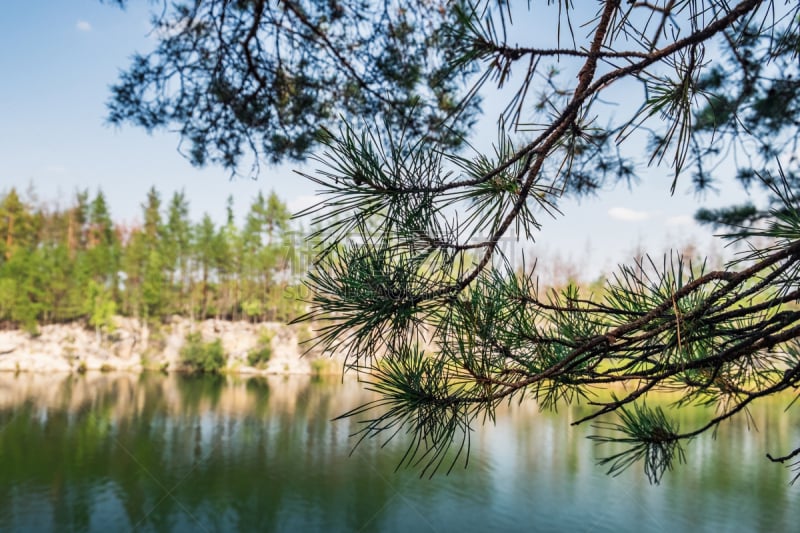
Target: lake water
111 452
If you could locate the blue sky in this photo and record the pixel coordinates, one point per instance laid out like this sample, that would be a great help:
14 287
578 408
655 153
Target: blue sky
59 59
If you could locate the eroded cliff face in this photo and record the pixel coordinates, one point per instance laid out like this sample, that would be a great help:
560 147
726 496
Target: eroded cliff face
135 347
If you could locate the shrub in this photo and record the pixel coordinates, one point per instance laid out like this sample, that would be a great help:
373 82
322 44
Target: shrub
205 357
324 367
259 355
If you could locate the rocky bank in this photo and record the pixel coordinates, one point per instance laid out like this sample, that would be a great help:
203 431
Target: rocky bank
136 347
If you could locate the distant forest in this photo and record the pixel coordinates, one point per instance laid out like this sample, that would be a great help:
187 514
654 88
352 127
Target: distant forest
76 263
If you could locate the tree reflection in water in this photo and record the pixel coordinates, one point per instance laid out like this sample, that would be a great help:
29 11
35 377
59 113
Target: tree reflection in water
172 453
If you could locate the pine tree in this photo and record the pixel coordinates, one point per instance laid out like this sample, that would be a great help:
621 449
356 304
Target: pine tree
177 251
103 246
143 262
206 256
76 264
414 269
230 264
275 79
17 228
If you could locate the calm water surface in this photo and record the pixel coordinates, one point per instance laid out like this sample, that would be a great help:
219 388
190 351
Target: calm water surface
111 452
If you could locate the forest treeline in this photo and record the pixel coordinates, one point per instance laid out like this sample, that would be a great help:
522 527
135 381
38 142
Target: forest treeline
77 263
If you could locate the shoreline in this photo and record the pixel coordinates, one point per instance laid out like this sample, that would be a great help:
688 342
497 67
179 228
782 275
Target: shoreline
136 347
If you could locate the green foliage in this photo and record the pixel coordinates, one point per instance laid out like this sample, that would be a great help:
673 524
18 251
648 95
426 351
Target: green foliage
324 367
754 87
652 437
275 80
100 307
252 308
261 354
76 264
410 246
22 286
410 231
203 357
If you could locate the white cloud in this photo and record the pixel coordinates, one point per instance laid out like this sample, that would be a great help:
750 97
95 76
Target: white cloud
82 25
627 215
680 220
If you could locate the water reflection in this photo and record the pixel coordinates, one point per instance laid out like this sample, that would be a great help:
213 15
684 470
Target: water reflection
174 453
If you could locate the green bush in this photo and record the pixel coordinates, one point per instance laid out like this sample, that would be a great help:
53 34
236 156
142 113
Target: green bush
324 367
205 357
261 354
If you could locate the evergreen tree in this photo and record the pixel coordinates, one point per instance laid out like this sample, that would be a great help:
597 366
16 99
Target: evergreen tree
206 255
145 282
276 217
177 251
100 307
61 290
103 246
77 223
22 281
416 275
415 259
229 264
275 77
17 225
253 267
76 264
